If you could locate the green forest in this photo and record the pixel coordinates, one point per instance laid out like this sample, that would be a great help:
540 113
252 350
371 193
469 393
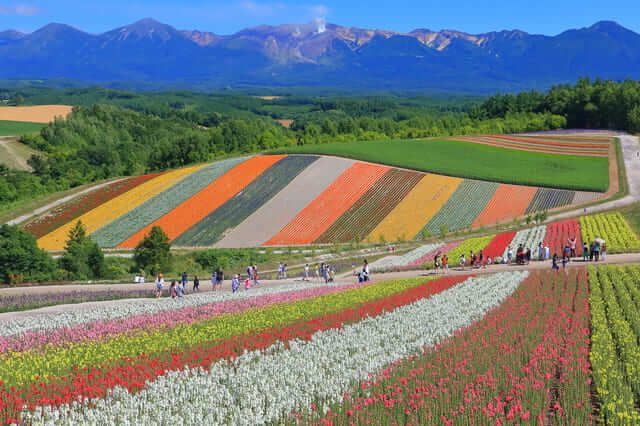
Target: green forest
115 133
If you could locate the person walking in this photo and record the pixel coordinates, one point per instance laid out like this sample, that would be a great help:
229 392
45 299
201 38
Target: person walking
159 285
255 275
172 289
185 280
603 252
235 283
196 284
585 252
305 273
565 260
365 269
214 280
462 261
280 270
596 251
445 263
554 262
509 255
573 242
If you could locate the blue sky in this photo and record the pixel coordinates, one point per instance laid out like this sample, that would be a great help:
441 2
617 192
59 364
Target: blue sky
225 17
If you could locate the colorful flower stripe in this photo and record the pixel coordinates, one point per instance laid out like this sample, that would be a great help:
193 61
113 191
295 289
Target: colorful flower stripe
318 216
269 219
210 229
559 233
95 382
508 202
463 207
266 386
167 319
52 361
53 321
120 229
82 204
549 199
392 262
498 245
615 353
525 363
417 208
116 207
466 247
567 148
208 200
431 255
357 222
529 239
613 229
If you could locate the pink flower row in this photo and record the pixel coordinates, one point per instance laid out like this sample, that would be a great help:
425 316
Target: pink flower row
145 322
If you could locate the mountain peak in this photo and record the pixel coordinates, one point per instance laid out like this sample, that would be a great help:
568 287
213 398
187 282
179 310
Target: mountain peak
606 26
147 28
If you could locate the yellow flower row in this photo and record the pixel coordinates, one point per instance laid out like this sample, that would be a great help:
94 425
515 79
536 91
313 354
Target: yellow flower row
407 219
613 229
113 209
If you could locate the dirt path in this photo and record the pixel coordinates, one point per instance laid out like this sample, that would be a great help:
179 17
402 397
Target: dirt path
630 148
20 162
614 259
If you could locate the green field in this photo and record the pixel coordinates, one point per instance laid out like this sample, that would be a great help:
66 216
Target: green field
475 161
17 128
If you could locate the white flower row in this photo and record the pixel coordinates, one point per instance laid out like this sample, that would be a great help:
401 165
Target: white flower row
529 238
404 260
110 311
265 386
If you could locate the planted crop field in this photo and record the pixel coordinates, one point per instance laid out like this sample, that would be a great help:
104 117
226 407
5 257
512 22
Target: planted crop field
18 128
548 199
566 145
34 114
393 263
613 228
558 235
318 216
507 203
357 222
476 161
462 208
417 208
211 229
120 229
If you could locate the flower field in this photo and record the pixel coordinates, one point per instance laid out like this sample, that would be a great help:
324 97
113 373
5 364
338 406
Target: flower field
548 199
559 233
390 263
318 348
372 207
463 207
417 208
525 363
613 229
557 144
117 231
271 200
615 353
529 238
468 246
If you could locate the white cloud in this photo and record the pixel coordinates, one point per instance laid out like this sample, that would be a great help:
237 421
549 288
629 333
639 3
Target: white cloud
20 9
319 11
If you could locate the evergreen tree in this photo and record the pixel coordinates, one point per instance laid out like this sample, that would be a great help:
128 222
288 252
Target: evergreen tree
153 253
83 258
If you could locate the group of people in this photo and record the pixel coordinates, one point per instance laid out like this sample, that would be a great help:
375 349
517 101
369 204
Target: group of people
177 288
475 260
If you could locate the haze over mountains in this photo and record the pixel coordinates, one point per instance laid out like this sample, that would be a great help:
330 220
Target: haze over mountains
321 55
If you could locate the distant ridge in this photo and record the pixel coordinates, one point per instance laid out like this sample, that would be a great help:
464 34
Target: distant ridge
322 54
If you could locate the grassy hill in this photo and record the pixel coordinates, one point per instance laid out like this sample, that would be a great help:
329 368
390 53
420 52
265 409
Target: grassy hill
475 161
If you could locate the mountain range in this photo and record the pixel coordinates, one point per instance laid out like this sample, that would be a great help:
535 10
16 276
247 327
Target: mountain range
320 54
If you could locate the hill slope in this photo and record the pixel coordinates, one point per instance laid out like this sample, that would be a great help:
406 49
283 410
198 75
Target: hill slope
291 199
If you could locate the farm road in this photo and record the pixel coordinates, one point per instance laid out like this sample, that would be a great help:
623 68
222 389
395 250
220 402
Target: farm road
206 286
630 148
